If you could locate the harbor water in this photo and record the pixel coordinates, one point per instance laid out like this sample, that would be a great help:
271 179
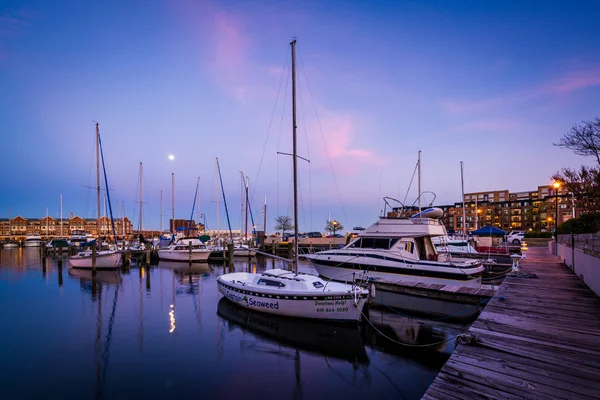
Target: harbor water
164 331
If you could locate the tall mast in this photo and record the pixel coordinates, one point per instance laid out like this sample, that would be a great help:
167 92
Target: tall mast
294 155
419 180
61 224
246 234
198 204
241 202
462 183
98 176
123 220
217 191
141 226
172 202
161 214
47 225
265 218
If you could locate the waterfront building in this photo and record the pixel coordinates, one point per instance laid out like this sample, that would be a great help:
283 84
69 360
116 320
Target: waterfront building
48 227
525 211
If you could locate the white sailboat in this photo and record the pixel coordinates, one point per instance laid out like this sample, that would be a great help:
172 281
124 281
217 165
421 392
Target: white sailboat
103 259
291 294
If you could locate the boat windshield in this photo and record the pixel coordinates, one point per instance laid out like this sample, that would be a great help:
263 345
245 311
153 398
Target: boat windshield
374 243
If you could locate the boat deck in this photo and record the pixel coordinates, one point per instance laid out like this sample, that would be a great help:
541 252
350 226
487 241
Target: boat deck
538 338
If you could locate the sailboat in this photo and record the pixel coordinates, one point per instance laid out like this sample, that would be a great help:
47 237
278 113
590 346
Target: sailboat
104 259
288 293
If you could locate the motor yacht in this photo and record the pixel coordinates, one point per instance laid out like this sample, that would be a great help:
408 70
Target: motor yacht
400 247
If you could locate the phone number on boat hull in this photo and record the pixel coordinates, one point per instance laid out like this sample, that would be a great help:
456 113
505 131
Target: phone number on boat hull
338 309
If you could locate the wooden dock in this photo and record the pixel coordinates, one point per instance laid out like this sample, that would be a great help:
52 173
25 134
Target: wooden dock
538 338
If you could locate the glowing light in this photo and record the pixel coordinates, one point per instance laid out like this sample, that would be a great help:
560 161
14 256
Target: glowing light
171 157
172 318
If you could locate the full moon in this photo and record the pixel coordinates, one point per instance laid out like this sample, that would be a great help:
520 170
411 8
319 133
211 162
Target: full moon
171 157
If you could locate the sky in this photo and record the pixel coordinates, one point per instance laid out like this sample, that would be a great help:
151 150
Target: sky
492 84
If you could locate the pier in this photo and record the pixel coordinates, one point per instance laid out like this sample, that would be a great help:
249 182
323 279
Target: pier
538 338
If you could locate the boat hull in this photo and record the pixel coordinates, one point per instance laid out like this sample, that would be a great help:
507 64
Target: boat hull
467 277
109 260
10 246
326 307
178 255
32 244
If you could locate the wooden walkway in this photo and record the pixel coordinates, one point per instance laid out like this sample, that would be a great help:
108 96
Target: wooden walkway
538 338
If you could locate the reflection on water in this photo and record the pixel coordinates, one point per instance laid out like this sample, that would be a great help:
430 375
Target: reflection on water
154 331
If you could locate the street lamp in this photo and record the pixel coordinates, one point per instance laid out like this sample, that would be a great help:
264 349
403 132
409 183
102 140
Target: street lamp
334 223
556 185
477 218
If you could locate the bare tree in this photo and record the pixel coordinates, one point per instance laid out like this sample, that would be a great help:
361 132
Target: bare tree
583 139
283 223
333 226
584 184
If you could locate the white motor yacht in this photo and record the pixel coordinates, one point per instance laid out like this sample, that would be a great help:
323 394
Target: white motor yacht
33 241
180 251
283 292
399 247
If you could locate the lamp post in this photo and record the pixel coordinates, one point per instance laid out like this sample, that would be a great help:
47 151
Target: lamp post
556 185
478 213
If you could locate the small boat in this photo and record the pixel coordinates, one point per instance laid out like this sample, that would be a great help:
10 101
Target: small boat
10 245
291 294
33 241
242 250
180 251
57 243
103 259
282 292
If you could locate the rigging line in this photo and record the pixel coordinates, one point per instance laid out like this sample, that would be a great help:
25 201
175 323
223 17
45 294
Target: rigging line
308 155
410 184
112 221
271 120
323 138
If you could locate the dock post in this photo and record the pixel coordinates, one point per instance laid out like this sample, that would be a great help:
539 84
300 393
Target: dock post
274 248
147 254
60 272
230 254
190 251
94 259
224 252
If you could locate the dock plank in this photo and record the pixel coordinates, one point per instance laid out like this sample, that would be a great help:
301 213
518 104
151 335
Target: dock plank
538 338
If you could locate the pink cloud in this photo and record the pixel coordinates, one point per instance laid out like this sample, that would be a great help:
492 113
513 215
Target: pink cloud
569 81
574 80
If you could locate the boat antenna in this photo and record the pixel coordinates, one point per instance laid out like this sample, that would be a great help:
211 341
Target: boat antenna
98 178
295 161
462 183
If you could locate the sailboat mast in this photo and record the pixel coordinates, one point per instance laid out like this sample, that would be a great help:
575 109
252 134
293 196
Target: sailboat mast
419 180
246 238
198 204
172 202
98 176
61 224
294 156
47 225
462 183
217 193
141 226
265 218
161 213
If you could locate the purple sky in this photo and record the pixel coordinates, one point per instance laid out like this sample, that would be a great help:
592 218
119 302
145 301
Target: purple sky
493 84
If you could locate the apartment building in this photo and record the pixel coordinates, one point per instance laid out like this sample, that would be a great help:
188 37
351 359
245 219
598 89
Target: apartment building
48 227
528 210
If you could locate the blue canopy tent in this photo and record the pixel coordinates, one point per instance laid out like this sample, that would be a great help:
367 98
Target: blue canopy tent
489 230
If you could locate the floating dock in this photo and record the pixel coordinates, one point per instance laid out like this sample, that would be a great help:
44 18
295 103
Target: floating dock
538 338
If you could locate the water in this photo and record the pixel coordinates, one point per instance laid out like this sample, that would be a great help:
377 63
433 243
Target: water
164 331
